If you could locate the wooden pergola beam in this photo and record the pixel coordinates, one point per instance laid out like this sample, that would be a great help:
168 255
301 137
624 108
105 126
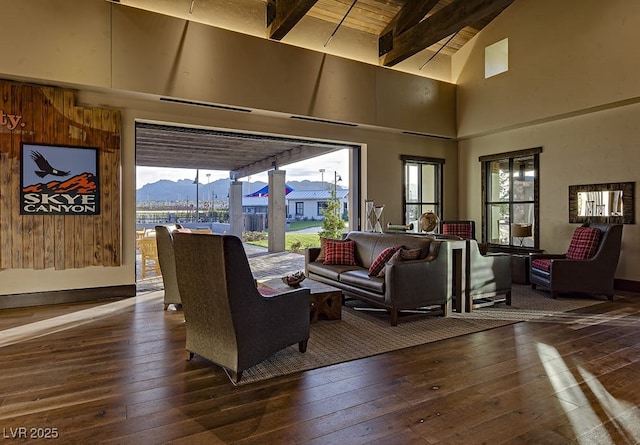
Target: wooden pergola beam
283 15
448 20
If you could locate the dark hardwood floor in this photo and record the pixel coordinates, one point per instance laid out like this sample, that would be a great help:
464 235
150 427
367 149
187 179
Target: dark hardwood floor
115 373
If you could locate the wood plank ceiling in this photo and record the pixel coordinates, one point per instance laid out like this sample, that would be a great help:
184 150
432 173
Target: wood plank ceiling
403 28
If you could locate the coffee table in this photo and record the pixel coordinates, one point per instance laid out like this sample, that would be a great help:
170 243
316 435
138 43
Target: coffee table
325 301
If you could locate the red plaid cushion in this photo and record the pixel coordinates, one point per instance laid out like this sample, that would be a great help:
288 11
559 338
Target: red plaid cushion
402 254
463 230
323 249
584 243
541 264
340 252
378 264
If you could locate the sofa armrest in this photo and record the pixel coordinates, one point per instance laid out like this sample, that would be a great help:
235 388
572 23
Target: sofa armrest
310 255
418 282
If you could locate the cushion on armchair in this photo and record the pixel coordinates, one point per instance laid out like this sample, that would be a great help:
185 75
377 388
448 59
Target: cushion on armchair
584 243
542 264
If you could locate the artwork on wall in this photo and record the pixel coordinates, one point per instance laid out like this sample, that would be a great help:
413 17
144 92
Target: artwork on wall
59 180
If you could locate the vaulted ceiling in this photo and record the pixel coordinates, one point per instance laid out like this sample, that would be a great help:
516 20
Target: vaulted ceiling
399 34
403 28
384 32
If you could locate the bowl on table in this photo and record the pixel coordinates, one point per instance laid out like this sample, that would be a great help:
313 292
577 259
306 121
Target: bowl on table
294 279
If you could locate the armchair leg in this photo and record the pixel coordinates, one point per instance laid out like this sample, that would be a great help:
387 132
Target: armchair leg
302 346
508 299
166 306
189 355
394 317
234 376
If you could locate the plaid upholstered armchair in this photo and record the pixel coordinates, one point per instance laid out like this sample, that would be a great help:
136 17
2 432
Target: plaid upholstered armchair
589 266
227 320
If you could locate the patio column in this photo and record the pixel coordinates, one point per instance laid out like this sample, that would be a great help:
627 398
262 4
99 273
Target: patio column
277 210
236 219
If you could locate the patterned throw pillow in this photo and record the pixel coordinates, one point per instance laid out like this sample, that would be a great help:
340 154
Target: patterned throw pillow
463 230
323 249
340 252
583 243
403 254
381 260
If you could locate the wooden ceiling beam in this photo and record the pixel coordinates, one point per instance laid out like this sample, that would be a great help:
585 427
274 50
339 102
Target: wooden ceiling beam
448 20
283 15
409 16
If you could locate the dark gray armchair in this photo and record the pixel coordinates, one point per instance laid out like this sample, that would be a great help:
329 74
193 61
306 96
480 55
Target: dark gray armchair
168 264
227 320
487 277
594 275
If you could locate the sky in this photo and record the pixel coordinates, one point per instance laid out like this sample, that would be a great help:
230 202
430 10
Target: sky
335 162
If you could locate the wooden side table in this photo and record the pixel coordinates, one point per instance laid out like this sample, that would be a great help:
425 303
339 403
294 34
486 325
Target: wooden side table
325 301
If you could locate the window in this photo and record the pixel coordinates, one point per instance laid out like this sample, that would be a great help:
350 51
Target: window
496 58
322 206
422 187
510 196
299 208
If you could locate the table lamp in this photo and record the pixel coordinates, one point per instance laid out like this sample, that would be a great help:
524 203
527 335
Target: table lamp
521 231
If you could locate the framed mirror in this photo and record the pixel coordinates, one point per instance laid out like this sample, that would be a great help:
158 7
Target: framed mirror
602 203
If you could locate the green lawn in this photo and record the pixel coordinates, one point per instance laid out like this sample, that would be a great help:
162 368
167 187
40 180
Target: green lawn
299 225
305 240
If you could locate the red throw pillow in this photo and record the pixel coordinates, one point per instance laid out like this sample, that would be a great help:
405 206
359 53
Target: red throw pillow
340 252
378 264
403 254
463 230
583 243
323 249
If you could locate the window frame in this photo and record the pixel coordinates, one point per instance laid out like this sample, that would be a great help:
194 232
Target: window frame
510 157
438 185
321 205
299 208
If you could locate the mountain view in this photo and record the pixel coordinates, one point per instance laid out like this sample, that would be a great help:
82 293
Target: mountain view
185 189
83 183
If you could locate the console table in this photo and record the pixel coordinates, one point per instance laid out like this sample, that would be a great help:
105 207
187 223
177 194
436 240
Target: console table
520 268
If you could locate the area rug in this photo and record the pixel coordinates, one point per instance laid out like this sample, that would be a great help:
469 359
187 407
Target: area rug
363 334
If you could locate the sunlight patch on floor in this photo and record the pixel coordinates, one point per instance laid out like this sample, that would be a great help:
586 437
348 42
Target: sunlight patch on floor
624 415
63 322
573 401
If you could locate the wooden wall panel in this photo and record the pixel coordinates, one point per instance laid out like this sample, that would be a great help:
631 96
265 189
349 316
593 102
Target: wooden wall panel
50 116
16 221
6 141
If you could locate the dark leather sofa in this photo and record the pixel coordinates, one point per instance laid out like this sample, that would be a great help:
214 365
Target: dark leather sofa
427 281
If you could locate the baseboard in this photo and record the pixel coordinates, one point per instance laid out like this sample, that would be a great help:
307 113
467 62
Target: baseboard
66 296
626 285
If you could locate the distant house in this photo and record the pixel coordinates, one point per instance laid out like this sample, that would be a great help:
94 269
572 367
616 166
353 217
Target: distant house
300 205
